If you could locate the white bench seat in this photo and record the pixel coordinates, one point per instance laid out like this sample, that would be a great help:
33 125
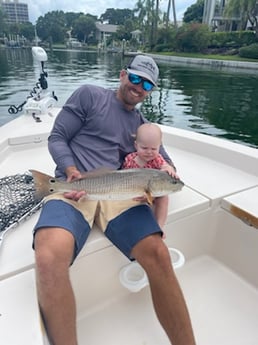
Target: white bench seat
211 178
17 255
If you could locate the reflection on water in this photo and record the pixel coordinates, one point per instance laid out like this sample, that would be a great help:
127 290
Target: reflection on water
208 101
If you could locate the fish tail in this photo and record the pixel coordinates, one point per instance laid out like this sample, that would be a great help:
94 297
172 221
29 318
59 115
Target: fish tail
42 184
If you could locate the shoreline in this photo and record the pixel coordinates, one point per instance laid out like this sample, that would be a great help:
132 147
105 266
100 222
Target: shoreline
213 63
180 60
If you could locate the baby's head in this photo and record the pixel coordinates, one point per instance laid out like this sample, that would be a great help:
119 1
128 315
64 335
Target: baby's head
148 140
149 134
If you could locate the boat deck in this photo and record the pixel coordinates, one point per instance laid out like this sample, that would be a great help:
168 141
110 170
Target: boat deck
219 279
222 305
223 309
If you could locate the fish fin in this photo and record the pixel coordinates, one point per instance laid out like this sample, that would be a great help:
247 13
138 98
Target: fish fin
41 183
149 197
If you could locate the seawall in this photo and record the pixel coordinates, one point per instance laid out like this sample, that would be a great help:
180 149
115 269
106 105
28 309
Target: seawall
212 63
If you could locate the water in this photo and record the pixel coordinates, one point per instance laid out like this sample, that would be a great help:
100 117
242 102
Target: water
218 103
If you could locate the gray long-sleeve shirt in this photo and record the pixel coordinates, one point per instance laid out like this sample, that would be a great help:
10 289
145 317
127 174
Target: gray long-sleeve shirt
94 130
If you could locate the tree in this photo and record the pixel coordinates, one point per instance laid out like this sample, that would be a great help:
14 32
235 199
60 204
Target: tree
174 12
14 29
124 31
52 27
155 22
247 10
117 16
194 13
70 18
148 19
84 27
27 30
167 15
192 37
140 12
166 38
2 22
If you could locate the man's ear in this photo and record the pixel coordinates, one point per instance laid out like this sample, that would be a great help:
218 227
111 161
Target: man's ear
123 73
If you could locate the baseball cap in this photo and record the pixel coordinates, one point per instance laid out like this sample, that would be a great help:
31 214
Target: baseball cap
145 67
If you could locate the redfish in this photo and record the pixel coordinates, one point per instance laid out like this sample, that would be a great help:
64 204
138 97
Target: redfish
111 185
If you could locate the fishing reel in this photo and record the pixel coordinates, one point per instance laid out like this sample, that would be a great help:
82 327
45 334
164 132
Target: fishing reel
40 100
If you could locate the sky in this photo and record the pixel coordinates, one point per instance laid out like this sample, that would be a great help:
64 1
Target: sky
39 8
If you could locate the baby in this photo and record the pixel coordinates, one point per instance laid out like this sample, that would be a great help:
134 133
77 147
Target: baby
147 144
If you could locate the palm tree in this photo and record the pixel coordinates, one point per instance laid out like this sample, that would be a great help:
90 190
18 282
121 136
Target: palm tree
148 19
174 12
155 22
168 12
140 12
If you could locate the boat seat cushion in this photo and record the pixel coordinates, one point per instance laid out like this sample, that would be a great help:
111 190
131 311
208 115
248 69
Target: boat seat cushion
243 205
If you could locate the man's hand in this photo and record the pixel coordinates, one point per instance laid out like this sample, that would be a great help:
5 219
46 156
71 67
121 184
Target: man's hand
75 195
72 174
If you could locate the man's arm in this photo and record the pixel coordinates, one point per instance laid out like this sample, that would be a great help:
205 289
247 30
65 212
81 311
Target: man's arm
167 158
67 124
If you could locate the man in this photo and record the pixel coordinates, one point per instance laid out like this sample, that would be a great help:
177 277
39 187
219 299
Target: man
95 129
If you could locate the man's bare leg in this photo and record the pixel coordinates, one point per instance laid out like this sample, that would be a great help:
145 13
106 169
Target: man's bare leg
161 210
53 252
167 296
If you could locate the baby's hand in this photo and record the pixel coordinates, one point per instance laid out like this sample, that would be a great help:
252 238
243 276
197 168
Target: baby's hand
170 170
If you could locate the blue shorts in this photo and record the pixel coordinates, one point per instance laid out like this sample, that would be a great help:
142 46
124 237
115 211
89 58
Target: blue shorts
124 231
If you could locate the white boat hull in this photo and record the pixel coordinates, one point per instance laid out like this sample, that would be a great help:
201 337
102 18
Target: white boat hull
219 278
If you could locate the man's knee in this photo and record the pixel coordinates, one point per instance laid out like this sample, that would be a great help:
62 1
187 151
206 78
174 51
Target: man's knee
54 247
152 252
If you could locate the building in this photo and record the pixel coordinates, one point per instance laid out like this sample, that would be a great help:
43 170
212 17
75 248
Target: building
136 35
213 16
208 11
15 11
104 31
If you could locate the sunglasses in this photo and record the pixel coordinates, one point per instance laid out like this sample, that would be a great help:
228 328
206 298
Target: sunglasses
136 80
